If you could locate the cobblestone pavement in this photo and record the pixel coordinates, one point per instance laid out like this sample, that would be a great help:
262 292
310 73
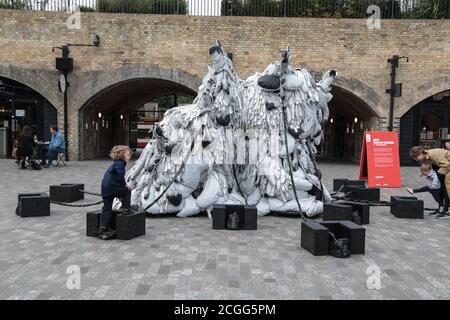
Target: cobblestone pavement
185 259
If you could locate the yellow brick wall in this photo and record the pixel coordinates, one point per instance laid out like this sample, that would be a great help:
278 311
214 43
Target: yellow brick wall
181 43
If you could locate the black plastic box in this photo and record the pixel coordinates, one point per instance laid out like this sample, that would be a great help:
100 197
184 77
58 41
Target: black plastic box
315 236
362 193
251 218
338 183
33 205
219 217
248 217
67 192
127 226
407 207
361 209
93 222
130 226
337 211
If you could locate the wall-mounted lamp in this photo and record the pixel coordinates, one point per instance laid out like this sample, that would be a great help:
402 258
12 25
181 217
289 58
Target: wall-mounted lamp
99 115
121 117
331 120
355 120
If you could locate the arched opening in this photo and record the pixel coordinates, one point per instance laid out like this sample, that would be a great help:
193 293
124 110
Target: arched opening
125 113
349 117
20 105
427 124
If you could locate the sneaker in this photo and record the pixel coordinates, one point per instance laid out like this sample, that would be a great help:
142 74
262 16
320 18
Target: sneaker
127 211
410 190
131 210
106 233
443 215
435 212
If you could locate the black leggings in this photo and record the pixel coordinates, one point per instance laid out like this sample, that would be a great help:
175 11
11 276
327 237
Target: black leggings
444 191
436 193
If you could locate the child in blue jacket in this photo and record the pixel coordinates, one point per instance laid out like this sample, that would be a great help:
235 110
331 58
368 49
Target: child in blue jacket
114 185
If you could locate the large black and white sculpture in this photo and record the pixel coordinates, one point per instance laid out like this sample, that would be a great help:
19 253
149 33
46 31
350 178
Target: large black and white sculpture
240 142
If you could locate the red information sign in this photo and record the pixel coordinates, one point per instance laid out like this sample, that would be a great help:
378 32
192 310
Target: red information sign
380 161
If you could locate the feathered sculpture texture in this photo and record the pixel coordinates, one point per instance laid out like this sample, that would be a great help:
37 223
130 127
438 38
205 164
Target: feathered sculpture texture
228 146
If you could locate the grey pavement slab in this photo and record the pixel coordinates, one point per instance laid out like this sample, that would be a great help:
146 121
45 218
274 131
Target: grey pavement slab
183 258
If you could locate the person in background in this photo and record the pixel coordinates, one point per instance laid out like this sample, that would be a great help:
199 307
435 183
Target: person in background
433 185
57 145
114 185
440 159
447 145
15 138
25 145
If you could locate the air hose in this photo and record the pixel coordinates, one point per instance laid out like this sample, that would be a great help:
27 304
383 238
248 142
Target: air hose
238 185
302 214
76 205
317 171
171 182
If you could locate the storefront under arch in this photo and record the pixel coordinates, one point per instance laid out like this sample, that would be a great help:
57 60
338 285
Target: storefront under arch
20 105
427 124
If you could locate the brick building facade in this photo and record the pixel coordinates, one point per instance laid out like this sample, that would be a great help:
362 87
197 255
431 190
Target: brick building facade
139 53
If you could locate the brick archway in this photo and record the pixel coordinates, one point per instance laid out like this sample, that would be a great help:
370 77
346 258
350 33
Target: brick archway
120 91
350 116
356 87
43 82
91 85
424 91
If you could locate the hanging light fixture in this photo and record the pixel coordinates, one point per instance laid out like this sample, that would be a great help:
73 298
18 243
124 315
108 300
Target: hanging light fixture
355 120
331 120
99 115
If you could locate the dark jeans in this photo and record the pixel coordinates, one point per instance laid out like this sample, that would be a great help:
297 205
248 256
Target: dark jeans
105 217
50 153
436 193
444 191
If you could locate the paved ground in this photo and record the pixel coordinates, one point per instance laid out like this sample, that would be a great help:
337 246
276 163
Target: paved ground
186 259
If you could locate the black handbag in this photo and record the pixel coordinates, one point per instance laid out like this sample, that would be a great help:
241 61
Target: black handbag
35 165
233 221
339 248
356 218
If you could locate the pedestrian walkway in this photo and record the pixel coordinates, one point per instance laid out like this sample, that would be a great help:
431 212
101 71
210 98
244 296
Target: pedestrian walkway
185 259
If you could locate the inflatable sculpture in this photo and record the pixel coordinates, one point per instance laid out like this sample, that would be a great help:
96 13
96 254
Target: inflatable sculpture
240 142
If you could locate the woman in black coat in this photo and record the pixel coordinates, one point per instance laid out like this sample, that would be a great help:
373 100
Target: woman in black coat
25 145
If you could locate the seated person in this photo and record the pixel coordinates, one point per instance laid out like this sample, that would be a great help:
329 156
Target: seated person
57 145
25 145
